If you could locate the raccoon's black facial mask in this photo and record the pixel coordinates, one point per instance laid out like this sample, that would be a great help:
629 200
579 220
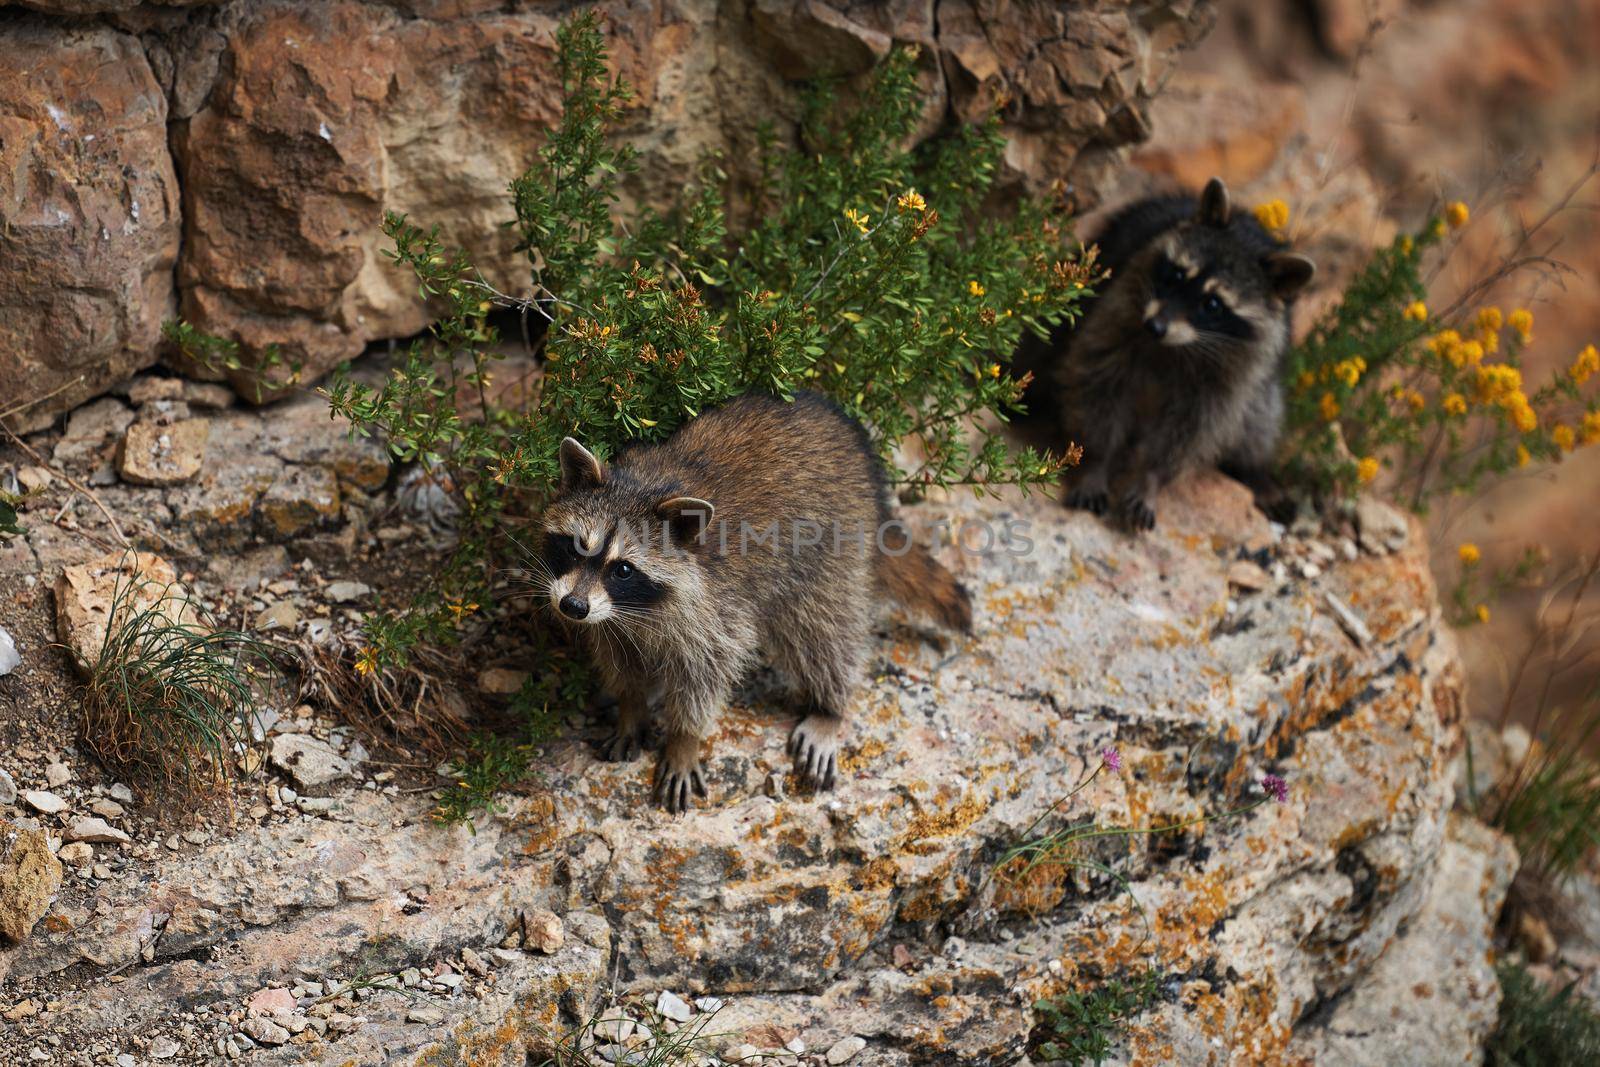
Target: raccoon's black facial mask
1190 307
597 582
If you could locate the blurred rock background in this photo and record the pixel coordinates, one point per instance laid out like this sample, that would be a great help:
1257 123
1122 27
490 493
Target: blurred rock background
230 162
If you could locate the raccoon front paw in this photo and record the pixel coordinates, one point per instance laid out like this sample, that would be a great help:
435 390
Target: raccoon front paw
1094 501
675 780
1140 515
814 744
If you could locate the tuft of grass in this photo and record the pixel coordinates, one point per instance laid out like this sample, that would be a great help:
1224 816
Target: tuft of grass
1540 1027
689 1043
1079 1028
169 697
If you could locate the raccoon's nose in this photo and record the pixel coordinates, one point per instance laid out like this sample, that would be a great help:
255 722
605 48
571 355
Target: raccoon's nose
574 606
1157 325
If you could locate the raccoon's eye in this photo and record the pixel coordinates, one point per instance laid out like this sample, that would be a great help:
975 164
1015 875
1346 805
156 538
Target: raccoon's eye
1212 305
622 571
561 549
1170 274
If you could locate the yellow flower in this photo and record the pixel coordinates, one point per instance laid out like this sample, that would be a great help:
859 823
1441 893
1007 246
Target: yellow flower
1455 404
1406 244
1491 341
1457 215
1522 415
1417 311
1490 319
1349 371
367 660
461 610
1329 406
1367 469
1563 436
1416 400
911 200
1523 456
994 370
975 289
1470 352
1274 214
1591 427
1469 553
1586 364
859 219
1521 320
1482 612
1307 379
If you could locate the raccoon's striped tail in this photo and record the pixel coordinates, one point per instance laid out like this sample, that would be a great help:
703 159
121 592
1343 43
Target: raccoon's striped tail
921 583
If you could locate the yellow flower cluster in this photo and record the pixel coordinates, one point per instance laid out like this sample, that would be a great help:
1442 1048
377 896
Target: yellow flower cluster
1457 215
1454 404
1591 427
1469 554
367 661
1274 214
1409 397
911 201
975 288
1329 406
1490 319
1587 364
1417 311
1349 371
1482 612
1564 437
1521 320
1448 345
1367 469
859 219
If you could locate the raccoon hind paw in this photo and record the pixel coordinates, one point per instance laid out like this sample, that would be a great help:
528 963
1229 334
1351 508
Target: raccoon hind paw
622 746
814 744
1139 513
1094 501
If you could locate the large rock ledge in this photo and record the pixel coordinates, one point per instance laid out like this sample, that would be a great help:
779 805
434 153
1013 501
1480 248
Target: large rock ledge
869 911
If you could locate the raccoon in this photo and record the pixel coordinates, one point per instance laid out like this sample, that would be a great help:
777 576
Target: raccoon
761 527
1178 363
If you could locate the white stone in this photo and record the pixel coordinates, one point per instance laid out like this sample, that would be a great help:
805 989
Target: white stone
845 1049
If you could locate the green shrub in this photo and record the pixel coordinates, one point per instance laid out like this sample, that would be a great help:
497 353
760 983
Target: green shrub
875 275
1082 1027
1542 1028
1439 399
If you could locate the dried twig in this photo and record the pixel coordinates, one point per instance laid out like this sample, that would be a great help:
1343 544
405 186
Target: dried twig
70 480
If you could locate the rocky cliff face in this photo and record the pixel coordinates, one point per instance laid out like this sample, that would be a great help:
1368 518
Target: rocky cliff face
271 135
336 923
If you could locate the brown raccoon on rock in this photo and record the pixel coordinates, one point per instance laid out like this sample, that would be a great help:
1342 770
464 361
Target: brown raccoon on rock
760 527
1178 363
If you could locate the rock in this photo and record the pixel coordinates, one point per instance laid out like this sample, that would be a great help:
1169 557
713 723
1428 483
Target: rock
310 762
9 656
845 1049
346 592
90 427
741 1053
545 931
1435 987
89 206
76 854
8 789
34 479
1092 640
43 802
30 875
163 1048
207 396
282 615
299 500
671 1006
498 681
24 1009
154 454
107 808
428 1015
137 581
1243 574
264 1031
1380 527
147 388
57 774
1535 938
272 1001
96 830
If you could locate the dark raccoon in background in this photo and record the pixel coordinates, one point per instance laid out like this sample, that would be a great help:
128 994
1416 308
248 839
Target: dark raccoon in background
1178 362
753 530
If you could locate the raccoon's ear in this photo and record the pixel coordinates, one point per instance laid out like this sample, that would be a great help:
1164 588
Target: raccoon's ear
686 516
1214 203
579 467
1289 273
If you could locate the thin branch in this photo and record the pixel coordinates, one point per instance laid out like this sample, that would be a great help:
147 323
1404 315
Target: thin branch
36 401
70 480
